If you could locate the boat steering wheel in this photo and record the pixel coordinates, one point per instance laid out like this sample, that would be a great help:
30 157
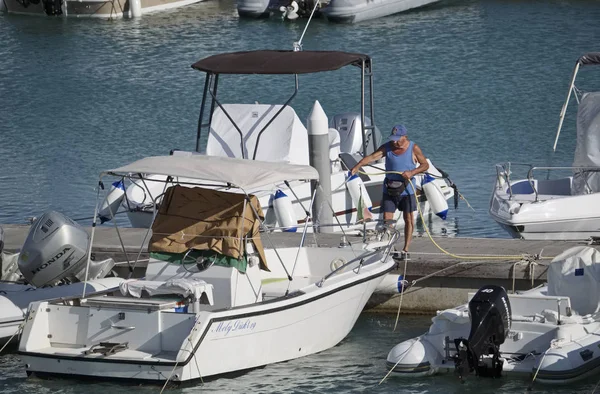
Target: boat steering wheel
202 262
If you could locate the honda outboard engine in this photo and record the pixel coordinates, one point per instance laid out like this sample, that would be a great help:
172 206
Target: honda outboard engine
490 316
55 248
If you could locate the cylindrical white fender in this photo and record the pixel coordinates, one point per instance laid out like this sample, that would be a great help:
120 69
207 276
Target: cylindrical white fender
391 284
415 357
135 7
141 193
356 188
112 201
436 199
284 211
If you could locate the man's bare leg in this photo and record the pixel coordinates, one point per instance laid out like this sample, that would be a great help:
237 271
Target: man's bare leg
388 219
408 229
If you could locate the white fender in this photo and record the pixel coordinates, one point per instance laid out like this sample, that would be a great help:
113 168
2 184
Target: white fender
356 188
435 197
112 201
284 212
135 8
140 194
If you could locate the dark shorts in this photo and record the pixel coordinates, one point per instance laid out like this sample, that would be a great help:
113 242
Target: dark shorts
404 203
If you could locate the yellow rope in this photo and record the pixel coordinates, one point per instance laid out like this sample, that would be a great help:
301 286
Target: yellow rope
465 257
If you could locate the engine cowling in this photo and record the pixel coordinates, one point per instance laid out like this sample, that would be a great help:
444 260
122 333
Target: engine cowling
490 314
55 248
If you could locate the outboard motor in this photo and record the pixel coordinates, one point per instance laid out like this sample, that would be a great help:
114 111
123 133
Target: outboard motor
490 316
56 248
350 128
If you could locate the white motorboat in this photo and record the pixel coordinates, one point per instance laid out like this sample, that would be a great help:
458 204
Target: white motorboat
551 333
105 9
213 300
50 265
340 11
351 11
286 9
275 133
544 206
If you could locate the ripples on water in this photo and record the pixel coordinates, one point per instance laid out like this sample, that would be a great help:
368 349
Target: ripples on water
475 83
357 364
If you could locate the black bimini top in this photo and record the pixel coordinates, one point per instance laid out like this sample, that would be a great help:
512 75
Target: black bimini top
589 59
278 62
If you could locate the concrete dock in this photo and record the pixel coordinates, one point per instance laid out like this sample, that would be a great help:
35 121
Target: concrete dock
437 280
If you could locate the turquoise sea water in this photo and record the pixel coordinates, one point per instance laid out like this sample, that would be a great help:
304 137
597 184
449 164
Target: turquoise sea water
475 82
356 365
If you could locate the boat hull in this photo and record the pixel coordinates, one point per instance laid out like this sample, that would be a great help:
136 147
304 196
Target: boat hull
220 342
351 11
560 217
14 304
90 9
253 8
559 353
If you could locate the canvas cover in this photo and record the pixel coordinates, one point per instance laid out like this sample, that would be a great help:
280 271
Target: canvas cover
575 273
198 289
284 140
587 149
279 62
205 219
246 174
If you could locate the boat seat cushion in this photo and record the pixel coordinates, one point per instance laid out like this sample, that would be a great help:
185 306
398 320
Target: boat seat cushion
196 288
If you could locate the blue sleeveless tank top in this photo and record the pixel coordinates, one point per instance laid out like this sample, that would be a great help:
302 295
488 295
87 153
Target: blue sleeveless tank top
402 162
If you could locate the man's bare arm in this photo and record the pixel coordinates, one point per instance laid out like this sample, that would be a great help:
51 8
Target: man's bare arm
378 154
423 164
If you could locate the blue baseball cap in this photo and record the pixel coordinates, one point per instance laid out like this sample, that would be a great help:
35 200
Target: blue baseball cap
397 132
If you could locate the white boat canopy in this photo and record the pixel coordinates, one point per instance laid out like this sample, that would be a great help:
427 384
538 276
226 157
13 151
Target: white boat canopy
242 173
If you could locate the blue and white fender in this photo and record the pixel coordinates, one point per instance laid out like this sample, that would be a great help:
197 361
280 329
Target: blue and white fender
435 196
284 212
357 190
112 201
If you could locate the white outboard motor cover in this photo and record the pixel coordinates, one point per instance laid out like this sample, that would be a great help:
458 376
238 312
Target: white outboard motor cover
55 248
575 273
349 126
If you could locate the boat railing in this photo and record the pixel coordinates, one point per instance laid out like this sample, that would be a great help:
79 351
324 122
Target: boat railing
503 172
361 259
582 170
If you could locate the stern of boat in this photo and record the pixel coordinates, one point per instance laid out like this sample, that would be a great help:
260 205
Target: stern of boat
115 337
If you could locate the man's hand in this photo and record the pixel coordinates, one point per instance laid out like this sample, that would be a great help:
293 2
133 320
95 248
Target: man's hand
407 175
354 170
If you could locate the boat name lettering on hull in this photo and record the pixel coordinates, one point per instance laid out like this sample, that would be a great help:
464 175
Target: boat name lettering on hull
226 327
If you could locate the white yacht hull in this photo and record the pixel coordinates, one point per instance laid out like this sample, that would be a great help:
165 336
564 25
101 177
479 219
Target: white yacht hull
15 299
361 10
104 9
253 8
188 346
551 217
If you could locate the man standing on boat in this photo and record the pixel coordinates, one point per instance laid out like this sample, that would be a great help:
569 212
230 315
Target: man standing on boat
398 193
